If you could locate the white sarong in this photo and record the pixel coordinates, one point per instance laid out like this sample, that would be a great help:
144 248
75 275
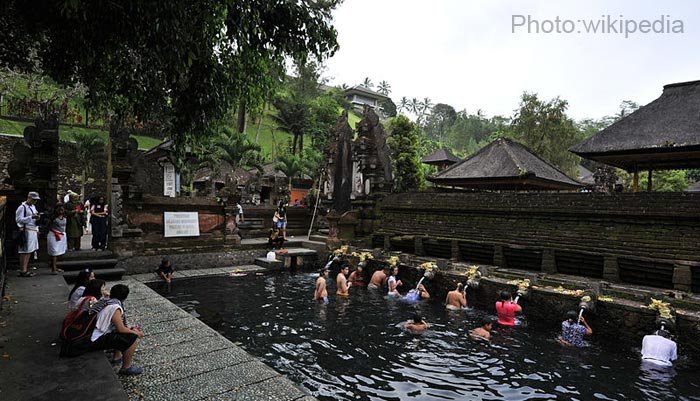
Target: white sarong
32 242
56 248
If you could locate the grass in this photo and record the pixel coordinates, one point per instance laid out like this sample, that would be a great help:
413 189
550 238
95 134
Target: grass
16 128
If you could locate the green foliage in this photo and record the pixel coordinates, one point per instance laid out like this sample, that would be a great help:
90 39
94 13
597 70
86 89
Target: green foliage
237 150
437 123
693 175
88 146
404 144
662 181
388 107
545 128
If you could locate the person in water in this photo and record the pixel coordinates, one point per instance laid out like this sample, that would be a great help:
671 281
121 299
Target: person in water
416 325
573 329
484 331
456 299
423 292
392 283
659 349
357 277
341 282
321 293
506 309
378 279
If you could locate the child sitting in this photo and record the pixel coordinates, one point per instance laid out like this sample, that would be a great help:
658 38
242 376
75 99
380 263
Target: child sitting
165 270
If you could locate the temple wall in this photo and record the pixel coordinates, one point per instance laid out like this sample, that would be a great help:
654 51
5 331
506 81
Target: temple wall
650 239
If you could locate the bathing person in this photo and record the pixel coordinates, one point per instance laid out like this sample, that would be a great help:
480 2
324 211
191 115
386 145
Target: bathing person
357 278
392 283
166 270
378 279
84 277
416 325
506 309
484 331
456 299
659 349
321 294
111 330
573 330
342 283
422 292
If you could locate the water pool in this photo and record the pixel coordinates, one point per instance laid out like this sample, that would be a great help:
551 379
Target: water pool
354 348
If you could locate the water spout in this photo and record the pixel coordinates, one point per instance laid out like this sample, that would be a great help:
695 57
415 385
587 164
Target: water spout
420 281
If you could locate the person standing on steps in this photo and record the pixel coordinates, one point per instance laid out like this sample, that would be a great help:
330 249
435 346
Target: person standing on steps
75 222
26 217
98 218
56 238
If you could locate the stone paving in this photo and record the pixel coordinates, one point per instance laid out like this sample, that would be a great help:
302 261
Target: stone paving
184 359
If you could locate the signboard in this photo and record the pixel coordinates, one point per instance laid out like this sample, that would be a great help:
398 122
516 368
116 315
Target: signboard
168 180
181 224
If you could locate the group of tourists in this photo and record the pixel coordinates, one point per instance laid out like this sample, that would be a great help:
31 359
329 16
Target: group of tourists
96 321
64 228
657 348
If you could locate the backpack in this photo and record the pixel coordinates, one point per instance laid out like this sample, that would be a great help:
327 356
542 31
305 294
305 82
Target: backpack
77 330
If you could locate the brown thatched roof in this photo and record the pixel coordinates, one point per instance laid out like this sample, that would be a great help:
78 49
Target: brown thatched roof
664 134
440 156
505 164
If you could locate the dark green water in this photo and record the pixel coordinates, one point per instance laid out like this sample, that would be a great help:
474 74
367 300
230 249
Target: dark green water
354 349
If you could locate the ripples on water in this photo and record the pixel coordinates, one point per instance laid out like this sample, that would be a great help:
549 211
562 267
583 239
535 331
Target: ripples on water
355 349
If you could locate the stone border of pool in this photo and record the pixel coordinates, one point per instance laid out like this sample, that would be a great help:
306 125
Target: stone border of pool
184 359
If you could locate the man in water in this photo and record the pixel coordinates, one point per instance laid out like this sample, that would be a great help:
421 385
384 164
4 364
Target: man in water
659 349
483 332
341 282
321 294
378 279
416 325
357 278
456 299
573 329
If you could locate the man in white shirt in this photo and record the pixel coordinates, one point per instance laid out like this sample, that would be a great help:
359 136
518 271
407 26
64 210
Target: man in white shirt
659 349
26 217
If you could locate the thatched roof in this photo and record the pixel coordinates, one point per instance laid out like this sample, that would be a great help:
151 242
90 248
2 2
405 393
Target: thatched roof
161 150
585 176
664 134
440 156
505 164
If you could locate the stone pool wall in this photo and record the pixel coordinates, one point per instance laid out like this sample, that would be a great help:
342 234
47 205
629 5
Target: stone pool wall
638 238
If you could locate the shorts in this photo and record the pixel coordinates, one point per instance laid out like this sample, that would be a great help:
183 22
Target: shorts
118 341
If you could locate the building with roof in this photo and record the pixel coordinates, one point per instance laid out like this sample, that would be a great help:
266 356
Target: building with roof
505 165
360 96
442 158
663 135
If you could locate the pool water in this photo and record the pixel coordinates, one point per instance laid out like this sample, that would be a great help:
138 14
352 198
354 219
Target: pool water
355 348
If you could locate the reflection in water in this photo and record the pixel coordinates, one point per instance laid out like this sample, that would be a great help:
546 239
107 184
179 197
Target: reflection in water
355 348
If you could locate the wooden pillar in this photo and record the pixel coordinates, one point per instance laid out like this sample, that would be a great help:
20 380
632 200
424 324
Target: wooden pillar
649 184
635 181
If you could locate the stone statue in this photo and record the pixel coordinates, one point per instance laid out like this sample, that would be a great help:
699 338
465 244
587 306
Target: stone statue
373 153
340 164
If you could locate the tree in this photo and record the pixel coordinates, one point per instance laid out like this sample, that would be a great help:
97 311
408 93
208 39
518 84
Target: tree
388 107
404 144
439 121
293 117
292 166
87 145
384 88
414 106
237 150
195 59
545 128
367 83
662 181
404 104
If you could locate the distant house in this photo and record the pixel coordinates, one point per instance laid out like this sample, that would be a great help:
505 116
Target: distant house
442 158
360 96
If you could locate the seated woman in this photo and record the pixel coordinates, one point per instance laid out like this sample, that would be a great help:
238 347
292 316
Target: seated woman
95 290
166 270
416 325
84 277
573 330
111 330
274 239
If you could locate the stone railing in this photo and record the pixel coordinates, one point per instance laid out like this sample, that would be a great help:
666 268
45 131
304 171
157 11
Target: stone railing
644 238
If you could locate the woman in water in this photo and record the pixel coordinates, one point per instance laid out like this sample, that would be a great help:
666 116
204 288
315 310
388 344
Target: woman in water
393 284
506 309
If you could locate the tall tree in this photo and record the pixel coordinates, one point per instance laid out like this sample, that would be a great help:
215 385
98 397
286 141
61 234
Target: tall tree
404 145
439 121
88 145
293 117
293 166
367 83
384 88
404 104
237 150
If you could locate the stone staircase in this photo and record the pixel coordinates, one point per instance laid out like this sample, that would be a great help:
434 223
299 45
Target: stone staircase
103 264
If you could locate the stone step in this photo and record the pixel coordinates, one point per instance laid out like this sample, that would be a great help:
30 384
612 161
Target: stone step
84 254
318 238
112 274
269 264
95 264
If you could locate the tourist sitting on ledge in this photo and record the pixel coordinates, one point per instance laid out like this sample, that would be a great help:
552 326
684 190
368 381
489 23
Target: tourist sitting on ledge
166 270
357 278
483 332
274 239
320 293
506 309
379 278
393 284
84 277
457 298
416 325
111 331
342 283
573 329
659 349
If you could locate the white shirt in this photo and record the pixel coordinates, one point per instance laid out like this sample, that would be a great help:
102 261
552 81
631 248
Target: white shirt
23 216
104 323
74 300
658 350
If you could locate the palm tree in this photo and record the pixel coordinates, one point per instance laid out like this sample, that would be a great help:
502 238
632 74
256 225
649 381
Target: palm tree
292 117
384 88
403 104
237 150
367 83
292 166
87 144
414 106
426 105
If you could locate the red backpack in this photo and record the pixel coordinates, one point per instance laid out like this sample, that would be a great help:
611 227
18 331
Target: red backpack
77 330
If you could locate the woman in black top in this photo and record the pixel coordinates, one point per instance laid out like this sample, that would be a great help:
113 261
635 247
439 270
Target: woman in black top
98 218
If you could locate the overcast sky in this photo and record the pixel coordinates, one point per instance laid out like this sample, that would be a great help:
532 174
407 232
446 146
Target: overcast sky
463 52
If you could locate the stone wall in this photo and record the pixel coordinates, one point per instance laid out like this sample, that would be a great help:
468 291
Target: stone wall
644 238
